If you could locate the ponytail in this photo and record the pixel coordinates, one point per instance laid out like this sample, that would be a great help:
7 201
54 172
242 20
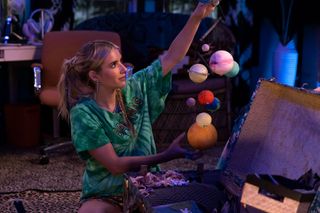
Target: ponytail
74 81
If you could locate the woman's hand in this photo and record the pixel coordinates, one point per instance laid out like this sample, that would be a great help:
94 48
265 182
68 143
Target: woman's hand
175 150
317 90
180 45
203 10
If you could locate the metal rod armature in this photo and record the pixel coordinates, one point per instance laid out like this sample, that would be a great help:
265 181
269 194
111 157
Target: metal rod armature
210 29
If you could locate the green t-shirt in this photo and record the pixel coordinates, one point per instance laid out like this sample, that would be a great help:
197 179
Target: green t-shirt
93 127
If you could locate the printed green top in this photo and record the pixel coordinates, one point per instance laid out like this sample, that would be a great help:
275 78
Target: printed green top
93 127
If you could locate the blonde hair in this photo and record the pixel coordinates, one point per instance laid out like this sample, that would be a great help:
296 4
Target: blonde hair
74 82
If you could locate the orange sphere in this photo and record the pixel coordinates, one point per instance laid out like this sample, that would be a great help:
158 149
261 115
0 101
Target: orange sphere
202 137
205 97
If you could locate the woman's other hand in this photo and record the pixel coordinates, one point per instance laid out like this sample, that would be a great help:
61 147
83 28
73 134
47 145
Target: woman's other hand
175 150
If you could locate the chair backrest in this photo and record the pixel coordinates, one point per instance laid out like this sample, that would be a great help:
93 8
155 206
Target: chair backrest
58 46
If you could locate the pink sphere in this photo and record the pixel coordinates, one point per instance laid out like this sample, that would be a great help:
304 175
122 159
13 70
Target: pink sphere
205 47
221 62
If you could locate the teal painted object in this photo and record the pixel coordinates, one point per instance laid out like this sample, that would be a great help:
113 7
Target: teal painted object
234 71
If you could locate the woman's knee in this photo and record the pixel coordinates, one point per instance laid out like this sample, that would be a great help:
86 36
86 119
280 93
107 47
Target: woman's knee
98 206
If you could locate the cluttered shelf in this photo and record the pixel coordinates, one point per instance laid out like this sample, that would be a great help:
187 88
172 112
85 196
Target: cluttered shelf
19 52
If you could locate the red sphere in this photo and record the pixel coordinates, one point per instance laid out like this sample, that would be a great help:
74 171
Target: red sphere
205 97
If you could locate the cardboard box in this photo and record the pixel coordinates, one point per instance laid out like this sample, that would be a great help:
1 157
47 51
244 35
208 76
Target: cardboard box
276 194
278 135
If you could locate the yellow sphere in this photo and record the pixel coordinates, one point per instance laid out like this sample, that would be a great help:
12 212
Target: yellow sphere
202 137
198 73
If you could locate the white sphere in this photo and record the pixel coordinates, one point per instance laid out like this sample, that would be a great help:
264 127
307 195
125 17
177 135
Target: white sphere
198 73
203 119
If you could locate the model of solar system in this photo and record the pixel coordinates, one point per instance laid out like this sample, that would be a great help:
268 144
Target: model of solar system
202 134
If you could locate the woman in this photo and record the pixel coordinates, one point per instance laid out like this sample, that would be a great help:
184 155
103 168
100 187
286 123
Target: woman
111 116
